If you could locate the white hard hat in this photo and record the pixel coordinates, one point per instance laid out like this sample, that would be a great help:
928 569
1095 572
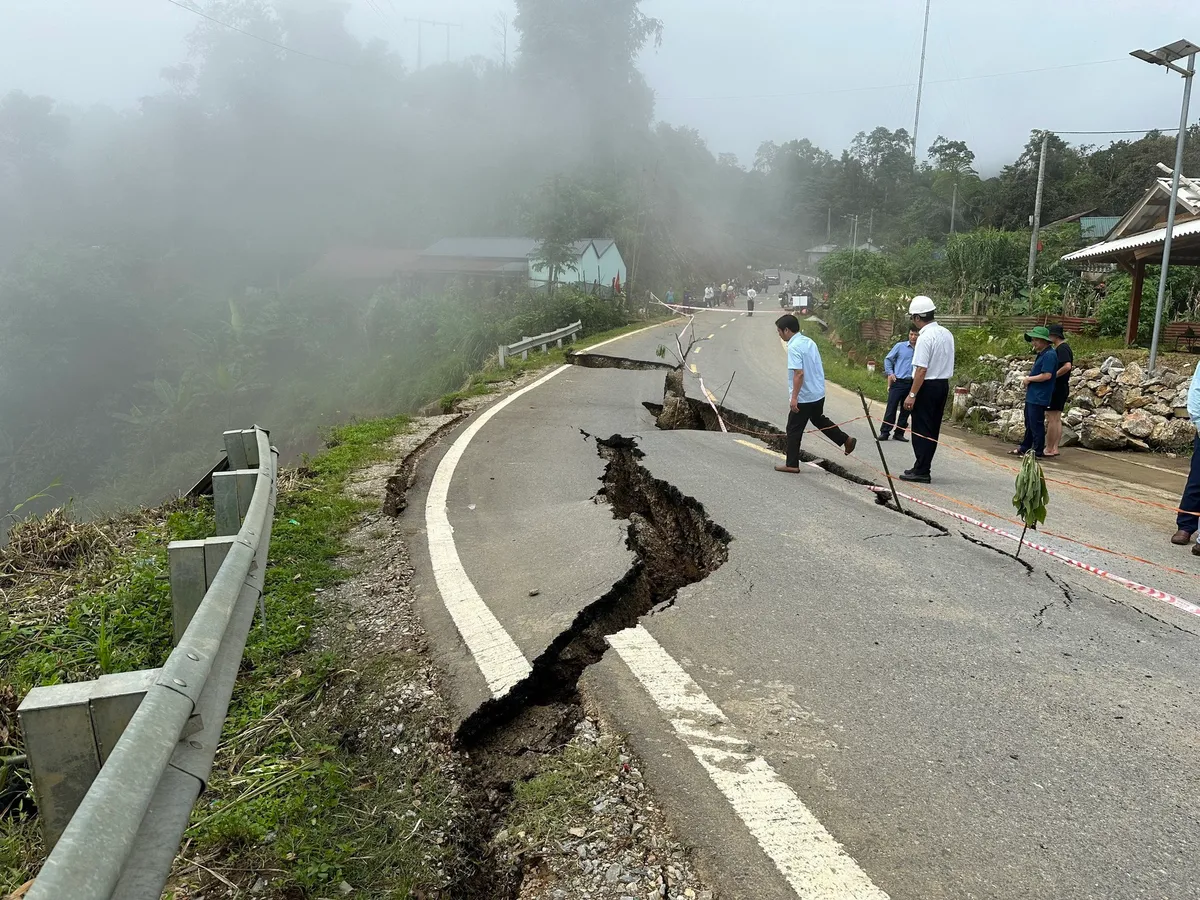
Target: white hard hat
921 306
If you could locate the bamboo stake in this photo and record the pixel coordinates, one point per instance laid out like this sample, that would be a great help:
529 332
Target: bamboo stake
879 447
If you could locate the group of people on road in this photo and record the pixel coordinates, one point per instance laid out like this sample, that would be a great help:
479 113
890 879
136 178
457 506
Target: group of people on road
918 372
918 387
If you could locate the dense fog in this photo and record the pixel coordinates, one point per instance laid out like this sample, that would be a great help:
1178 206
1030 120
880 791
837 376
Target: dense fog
161 269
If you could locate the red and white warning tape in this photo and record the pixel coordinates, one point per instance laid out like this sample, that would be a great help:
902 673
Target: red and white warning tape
1178 602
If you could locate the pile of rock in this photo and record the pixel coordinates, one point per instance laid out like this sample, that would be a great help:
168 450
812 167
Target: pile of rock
1112 407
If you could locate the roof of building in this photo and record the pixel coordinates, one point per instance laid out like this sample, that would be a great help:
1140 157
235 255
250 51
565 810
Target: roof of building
1185 245
1151 210
1140 234
483 248
823 248
1094 228
503 248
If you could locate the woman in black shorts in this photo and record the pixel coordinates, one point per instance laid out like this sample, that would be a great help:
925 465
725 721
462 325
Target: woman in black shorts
1062 389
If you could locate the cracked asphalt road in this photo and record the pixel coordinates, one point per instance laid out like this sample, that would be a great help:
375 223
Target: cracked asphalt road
966 726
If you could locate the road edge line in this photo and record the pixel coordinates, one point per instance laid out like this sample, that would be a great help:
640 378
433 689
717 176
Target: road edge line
496 654
811 860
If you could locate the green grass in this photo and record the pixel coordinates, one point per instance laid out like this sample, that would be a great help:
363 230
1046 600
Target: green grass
561 794
108 611
483 382
840 370
294 792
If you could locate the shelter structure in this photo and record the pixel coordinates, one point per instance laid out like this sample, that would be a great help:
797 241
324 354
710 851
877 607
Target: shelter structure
1137 239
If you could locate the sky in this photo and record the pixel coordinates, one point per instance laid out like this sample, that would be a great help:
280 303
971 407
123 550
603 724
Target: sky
739 72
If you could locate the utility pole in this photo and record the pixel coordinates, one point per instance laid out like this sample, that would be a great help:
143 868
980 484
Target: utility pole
953 206
920 81
421 23
828 223
871 227
1037 208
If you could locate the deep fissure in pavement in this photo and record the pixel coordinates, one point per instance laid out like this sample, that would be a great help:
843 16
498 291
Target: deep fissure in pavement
676 544
679 412
602 361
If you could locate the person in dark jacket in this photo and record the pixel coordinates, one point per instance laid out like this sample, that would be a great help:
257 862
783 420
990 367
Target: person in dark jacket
1039 391
897 366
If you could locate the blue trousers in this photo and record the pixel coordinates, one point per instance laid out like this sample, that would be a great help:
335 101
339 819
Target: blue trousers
895 404
1190 500
1035 429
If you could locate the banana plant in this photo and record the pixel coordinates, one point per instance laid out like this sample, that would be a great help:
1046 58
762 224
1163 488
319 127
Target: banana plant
1031 497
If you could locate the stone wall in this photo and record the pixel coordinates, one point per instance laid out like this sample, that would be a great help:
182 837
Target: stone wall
1113 406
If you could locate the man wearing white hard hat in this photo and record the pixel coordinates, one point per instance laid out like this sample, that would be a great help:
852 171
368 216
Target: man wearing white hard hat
933 367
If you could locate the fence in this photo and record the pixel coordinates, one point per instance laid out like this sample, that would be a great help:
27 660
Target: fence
880 331
525 344
118 763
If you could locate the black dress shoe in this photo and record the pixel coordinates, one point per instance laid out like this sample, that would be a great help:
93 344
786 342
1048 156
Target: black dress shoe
917 477
901 438
884 437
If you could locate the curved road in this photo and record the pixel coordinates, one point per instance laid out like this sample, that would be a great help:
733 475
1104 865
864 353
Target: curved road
855 704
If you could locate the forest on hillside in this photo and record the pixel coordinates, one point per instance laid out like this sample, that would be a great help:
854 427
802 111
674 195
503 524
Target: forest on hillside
154 261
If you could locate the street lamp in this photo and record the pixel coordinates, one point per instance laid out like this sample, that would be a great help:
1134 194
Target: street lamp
1168 56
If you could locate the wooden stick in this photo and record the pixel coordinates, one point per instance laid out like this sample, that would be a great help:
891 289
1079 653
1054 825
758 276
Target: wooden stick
879 447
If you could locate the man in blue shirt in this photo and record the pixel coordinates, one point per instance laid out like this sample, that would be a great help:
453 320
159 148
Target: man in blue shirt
806 393
1039 390
897 366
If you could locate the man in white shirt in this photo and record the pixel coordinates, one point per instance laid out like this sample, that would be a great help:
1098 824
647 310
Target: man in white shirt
933 367
750 295
1189 503
806 393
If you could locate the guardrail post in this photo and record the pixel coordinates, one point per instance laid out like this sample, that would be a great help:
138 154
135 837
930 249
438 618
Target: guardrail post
232 492
500 352
70 729
524 353
193 566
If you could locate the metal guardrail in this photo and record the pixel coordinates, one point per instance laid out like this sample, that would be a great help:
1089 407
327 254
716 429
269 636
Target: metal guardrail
525 344
125 832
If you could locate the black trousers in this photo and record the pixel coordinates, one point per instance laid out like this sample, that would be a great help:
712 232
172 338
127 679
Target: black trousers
749 307
927 414
895 404
1190 501
798 421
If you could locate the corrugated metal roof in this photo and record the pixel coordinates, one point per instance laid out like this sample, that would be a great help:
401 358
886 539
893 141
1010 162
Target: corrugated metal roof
1096 227
483 248
503 248
1134 241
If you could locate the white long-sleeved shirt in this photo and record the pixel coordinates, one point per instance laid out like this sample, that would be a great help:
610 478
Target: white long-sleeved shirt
1193 401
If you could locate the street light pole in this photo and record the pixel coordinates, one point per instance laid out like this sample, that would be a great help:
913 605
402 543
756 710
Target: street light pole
1037 209
1166 259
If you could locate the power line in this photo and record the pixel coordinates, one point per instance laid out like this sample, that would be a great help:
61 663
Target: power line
905 85
1125 131
203 15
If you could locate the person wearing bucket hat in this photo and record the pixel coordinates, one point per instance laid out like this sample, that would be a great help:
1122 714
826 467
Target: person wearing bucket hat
1039 390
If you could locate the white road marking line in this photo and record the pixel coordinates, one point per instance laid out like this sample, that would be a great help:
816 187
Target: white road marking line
697 350
711 336
726 325
499 658
815 865
692 366
810 859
